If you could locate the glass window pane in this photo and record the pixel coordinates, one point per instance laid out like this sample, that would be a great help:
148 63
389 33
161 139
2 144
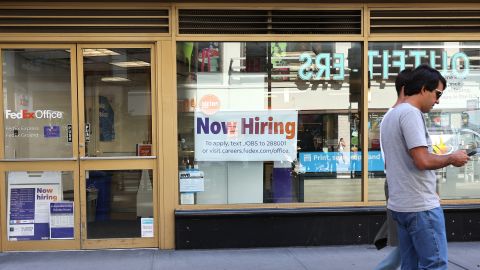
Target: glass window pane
40 205
453 123
37 103
269 122
118 114
118 203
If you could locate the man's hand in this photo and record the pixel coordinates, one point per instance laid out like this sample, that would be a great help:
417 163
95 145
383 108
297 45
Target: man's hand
458 158
424 160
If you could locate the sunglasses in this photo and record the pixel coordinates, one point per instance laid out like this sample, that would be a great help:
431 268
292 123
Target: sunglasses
438 93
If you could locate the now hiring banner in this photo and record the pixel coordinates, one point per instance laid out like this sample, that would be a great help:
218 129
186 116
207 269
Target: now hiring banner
246 136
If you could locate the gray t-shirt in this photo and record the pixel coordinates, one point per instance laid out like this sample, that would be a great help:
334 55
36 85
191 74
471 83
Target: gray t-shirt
410 189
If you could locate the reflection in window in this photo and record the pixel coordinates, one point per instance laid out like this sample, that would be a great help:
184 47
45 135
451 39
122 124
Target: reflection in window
118 203
40 205
37 103
452 124
118 114
237 105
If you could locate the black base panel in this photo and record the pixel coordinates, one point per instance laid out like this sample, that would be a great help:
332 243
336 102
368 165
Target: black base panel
247 228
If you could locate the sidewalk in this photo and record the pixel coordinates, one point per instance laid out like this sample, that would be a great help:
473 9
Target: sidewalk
462 256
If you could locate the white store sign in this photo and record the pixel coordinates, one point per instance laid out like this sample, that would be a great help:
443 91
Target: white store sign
246 136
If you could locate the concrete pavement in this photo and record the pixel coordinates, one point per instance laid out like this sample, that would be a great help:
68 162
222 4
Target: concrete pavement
462 256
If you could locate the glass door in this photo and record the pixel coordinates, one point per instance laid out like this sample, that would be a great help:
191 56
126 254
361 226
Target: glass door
118 180
39 173
66 189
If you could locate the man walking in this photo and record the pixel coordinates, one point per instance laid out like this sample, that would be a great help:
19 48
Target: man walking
389 229
410 166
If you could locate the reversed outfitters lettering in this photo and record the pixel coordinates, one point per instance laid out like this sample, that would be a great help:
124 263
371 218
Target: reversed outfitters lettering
328 66
251 125
459 64
38 114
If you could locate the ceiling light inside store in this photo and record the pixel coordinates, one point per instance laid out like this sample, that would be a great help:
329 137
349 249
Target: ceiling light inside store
98 52
115 79
131 64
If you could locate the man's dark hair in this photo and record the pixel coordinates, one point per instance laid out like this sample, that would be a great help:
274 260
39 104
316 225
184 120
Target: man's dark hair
402 79
426 77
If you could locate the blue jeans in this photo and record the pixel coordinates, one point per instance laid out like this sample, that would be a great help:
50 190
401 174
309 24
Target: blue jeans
422 239
391 262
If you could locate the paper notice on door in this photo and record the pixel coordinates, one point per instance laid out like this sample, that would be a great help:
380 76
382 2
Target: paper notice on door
62 223
147 227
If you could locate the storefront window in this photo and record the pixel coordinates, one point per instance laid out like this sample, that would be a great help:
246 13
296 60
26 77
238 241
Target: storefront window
118 114
453 124
40 205
37 103
119 204
269 122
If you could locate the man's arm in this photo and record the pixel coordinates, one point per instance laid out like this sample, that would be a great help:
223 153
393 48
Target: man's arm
424 160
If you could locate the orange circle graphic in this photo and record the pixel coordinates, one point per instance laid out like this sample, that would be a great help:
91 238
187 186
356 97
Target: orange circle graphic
209 104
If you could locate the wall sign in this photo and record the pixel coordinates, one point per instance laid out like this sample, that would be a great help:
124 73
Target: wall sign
339 161
61 220
87 132
51 131
146 225
38 114
320 66
69 133
22 132
29 198
246 136
396 59
192 181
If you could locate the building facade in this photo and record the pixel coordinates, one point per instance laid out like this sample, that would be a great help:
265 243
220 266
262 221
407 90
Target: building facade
221 125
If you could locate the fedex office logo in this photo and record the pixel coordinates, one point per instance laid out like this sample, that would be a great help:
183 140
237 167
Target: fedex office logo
38 114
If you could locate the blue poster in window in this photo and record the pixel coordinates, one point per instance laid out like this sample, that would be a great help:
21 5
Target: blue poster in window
28 204
61 220
106 117
339 161
22 213
22 205
375 161
51 131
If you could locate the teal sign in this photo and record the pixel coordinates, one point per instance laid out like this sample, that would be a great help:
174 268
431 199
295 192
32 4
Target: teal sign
339 161
392 61
322 66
